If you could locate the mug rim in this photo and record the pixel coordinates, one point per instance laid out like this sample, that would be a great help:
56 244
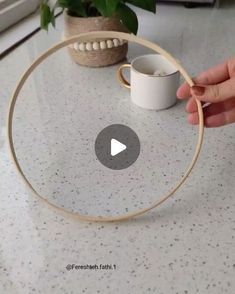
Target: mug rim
149 75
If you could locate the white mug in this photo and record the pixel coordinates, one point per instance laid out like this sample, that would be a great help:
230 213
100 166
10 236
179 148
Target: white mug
153 81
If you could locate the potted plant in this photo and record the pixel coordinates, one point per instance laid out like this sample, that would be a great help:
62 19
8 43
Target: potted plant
83 16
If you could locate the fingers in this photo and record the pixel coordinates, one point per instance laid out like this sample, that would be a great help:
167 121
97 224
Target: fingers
215 93
215 115
211 108
218 120
212 76
184 91
215 88
231 67
192 105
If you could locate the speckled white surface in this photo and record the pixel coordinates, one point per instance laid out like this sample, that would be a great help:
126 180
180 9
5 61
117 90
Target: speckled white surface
185 246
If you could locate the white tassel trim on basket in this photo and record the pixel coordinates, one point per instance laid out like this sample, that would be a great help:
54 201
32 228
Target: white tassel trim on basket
97 45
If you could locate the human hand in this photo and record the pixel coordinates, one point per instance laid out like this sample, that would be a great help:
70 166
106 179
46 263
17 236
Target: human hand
216 89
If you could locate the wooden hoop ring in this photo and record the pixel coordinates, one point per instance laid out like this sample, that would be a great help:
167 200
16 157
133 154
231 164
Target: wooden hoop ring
85 38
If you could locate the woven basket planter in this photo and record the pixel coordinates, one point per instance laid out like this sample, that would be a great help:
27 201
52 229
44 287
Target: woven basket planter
95 53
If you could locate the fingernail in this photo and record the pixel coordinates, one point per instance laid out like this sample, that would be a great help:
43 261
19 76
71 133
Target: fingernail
198 90
177 94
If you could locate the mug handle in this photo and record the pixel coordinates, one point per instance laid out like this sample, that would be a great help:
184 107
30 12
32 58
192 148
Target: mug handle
121 78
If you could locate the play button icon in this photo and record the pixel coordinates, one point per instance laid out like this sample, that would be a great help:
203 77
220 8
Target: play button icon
117 147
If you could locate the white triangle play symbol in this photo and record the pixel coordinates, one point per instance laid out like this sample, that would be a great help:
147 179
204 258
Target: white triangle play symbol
116 147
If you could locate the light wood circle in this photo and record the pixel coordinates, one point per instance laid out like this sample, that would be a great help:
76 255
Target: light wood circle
92 36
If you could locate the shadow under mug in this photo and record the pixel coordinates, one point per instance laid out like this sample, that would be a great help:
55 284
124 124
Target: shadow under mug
153 81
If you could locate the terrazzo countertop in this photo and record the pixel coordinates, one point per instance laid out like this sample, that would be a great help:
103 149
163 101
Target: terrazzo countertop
185 246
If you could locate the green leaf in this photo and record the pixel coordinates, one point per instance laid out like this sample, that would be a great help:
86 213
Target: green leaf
149 5
128 18
75 6
53 13
46 16
106 7
53 19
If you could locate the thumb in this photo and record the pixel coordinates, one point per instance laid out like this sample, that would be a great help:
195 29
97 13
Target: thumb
214 93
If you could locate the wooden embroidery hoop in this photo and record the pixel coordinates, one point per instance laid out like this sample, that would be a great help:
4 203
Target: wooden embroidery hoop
85 38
